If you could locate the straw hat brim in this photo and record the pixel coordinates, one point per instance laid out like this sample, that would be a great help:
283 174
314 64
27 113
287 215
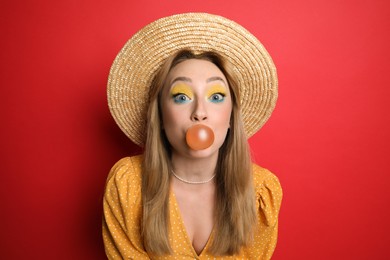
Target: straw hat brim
136 64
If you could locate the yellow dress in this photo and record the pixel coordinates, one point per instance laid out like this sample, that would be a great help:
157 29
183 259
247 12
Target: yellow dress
123 209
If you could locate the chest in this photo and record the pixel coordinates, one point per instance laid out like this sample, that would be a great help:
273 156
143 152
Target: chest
196 214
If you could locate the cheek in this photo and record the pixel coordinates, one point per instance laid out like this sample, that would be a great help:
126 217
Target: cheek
225 114
166 119
170 118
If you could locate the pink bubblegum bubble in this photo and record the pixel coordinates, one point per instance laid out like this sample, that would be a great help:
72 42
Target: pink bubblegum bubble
199 137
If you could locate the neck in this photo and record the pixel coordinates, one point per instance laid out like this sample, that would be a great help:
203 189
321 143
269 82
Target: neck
194 169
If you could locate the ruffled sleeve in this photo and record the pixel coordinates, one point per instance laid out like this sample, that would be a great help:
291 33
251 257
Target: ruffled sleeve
268 199
122 211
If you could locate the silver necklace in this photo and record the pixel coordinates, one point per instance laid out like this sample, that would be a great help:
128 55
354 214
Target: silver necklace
192 182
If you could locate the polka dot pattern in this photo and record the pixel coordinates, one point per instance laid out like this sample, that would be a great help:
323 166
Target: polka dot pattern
123 209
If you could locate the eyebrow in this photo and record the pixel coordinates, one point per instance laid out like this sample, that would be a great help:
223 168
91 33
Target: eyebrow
216 79
181 79
186 79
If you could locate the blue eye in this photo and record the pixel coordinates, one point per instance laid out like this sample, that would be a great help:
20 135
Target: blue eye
217 97
181 98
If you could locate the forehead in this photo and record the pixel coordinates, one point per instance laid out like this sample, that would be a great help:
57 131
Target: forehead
195 69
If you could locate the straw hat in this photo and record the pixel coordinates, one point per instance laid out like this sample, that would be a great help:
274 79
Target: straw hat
136 64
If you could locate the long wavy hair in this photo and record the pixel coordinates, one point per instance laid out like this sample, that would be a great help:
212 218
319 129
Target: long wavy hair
235 214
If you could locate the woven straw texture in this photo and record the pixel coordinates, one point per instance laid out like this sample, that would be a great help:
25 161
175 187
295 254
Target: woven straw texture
137 63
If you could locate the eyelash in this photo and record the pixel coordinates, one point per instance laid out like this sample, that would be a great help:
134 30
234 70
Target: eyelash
222 95
182 98
178 98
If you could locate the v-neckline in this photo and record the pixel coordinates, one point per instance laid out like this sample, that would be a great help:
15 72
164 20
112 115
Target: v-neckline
183 227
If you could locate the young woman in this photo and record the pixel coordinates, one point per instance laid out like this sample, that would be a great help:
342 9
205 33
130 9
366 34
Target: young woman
194 193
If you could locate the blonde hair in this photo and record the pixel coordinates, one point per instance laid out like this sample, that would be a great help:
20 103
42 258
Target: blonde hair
235 214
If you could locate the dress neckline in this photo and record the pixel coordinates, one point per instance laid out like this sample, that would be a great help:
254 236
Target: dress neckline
176 208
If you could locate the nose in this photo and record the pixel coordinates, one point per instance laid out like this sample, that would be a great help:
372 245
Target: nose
199 114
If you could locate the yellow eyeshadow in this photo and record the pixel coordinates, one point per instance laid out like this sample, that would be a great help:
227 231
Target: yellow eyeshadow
182 89
216 89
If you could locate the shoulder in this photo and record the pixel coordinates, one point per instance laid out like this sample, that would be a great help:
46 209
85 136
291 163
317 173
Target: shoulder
268 193
125 176
264 177
126 167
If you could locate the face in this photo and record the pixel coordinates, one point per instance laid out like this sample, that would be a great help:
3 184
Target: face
196 92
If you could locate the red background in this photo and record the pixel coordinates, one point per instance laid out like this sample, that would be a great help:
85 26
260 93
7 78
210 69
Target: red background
327 140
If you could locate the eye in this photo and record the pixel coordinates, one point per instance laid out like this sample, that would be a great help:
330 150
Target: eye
217 97
181 98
